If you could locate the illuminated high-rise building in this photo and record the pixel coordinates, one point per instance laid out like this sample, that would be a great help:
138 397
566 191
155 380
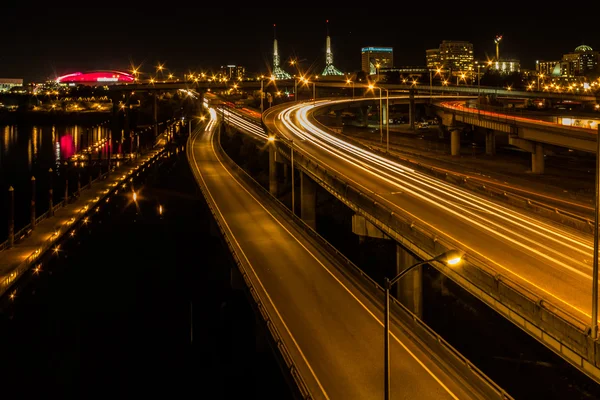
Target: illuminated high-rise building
374 58
233 72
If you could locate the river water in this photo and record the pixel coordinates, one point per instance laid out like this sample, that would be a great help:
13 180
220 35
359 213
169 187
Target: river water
138 303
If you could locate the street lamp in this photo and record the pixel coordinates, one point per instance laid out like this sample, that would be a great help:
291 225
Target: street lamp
351 82
387 110
538 81
478 80
594 331
262 94
430 84
450 257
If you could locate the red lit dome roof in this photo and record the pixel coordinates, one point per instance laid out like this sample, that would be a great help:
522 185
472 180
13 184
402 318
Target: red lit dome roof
96 77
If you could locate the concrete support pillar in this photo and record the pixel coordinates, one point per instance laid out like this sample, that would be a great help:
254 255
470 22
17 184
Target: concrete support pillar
338 118
286 173
272 171
490 142
410 287
537 159
364 116
308 200
412 109
455 142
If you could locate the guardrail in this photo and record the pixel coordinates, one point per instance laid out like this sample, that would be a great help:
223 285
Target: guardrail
549 323
243 267
572 219
402 313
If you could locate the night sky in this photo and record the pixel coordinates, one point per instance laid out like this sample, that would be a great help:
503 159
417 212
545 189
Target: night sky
41 42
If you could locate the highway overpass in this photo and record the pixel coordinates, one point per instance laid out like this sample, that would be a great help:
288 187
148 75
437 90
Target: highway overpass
536 274
325 317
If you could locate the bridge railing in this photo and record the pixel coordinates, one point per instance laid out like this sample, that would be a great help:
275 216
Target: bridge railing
244 267
420 330
563 332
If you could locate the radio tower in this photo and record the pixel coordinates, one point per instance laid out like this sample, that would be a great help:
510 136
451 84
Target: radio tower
330 69
278 72
497 41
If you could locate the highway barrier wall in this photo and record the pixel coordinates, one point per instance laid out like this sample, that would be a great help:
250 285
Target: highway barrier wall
410 323
552 326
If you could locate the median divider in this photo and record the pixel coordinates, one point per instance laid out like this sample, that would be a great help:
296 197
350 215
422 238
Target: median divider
550 324
410 323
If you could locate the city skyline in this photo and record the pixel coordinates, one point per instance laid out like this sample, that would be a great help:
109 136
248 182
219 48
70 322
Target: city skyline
44 44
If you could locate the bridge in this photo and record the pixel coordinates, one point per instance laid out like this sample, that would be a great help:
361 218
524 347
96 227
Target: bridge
344 84
536 274
324 315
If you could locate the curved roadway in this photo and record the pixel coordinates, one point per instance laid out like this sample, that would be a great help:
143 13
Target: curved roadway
550 259
332 330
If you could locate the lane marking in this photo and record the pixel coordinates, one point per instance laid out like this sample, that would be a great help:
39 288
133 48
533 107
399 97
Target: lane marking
332 275
560 300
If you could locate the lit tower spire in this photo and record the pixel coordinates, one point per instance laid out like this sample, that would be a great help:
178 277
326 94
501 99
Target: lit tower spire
497 41
278 73
330 69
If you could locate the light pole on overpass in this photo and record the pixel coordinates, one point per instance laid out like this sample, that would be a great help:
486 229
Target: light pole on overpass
350 81
478 79
387 116
450 257
594 331
262 93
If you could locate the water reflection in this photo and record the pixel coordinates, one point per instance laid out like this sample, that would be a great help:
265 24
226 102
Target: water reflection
30 150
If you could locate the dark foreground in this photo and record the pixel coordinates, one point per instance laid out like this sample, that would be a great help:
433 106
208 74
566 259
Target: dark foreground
137 304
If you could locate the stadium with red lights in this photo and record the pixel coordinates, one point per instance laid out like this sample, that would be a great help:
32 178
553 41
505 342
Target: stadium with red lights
96 78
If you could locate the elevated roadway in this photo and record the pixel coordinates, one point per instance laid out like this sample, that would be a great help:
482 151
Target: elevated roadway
326 321
535 273
521 130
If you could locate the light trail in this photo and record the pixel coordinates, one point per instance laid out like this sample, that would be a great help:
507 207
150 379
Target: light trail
431 190
554 246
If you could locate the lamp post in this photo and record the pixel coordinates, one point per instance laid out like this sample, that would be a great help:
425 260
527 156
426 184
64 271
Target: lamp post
595 263
478 81
352 83
430 84
262 93
295 89
387 106
292 168
387 120
538 81
450 257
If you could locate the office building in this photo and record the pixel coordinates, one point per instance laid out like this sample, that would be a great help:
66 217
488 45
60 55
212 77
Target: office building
233 72
374 58
453 56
